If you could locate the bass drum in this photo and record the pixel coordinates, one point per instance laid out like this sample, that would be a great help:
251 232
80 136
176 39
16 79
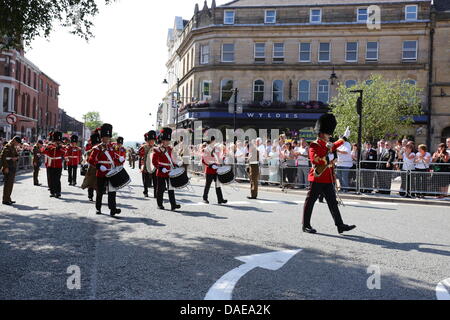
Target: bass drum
118 178
178 178
225 175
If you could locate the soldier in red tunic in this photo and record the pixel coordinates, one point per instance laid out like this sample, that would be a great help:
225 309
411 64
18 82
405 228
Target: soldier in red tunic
73 159
90 180
104 157
322 175
164 163
54 156
146 163
211 161
120 149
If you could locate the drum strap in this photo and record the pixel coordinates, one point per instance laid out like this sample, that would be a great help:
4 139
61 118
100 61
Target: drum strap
169 158
110 159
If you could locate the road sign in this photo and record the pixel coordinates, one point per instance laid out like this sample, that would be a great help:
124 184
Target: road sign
223 288
11 119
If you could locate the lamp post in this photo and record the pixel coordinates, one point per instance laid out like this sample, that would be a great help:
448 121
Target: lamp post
359 110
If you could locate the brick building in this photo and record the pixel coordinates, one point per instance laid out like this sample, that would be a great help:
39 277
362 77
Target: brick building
281 55
28 93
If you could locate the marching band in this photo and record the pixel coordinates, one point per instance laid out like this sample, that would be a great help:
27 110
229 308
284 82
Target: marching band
163 168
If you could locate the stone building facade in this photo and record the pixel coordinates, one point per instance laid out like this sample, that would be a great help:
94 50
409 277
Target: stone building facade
281 55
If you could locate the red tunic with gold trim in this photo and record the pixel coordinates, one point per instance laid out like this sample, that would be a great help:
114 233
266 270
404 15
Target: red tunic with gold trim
161 161
73 156
121 150
322 170
54 156
98 158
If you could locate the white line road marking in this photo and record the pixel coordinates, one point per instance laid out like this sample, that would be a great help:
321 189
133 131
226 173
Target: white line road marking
443 290
223 288
383 203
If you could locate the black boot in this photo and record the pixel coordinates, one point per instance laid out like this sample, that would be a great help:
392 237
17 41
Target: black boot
115 211
345 228
220 196
309 230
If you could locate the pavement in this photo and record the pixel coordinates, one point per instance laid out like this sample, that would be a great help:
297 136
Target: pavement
402 249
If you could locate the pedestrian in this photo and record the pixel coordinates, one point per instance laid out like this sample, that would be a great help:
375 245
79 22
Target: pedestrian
253 169
441 169
368 167
37 162
422 166
385 163
344 165
301 151
8 162
73 158
104 157
322 175
408 157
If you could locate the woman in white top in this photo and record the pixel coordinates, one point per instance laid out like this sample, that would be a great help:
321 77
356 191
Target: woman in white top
422 165
274 165
408 157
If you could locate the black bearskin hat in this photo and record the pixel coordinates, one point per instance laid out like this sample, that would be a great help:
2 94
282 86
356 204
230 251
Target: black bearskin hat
166 134
106 131
95 139
120 140
74 138
326 124
57 136
151 135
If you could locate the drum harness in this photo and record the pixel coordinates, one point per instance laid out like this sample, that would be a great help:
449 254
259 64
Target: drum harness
189 186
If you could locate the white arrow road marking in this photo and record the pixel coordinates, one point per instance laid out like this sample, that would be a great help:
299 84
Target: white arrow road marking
443 290
223 288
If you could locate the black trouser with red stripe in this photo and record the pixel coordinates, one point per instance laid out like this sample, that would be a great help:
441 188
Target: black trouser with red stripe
72 174
209 180
55 180
329 192
149 180
102 186
161 185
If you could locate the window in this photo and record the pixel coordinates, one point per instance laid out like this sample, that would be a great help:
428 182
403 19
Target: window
228 17
204 54
350 83
277 91
362 15
206 90
324 52
411 12
228 52
409 50
260 52
351 54
323 91
226 90
278 52
305 52
258 91
5 99
372 51
315 16
270 16
304 87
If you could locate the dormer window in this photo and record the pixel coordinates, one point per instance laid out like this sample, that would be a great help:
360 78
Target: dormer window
270 16
228 17
411 12
315 16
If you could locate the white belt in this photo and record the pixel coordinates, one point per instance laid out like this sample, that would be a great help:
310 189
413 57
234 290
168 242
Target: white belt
58 158
105 162
165 164
72 157
9 159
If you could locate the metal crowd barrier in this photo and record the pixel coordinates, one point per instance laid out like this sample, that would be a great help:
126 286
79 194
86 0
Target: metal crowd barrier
395 181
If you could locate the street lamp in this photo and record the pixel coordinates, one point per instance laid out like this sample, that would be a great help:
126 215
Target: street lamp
359 110
333 77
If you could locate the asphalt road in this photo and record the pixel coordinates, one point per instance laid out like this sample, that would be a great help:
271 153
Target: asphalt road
152 254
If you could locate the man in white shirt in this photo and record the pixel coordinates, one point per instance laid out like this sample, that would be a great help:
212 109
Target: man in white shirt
301 152
344 164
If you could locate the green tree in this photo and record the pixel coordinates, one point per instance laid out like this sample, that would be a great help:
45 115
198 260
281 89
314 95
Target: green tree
388 108
24 20
92 120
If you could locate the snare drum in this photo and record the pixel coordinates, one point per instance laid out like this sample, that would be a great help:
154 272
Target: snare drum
178 178
118 177
225 175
